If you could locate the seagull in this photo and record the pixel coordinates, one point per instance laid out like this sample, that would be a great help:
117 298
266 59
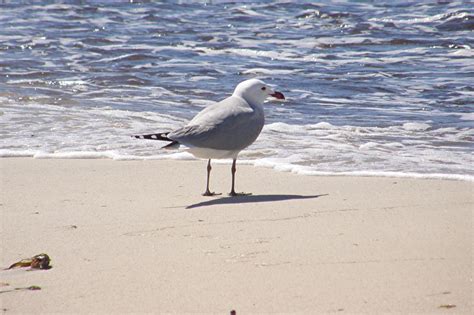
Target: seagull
223 129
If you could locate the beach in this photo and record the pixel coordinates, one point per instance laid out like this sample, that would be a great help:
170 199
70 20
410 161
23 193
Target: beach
352 121
137 236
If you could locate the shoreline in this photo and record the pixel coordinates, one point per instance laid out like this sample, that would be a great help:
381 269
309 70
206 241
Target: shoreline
285 168
137 236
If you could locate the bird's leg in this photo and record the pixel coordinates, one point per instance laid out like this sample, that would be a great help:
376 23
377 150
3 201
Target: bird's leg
232 190
208 192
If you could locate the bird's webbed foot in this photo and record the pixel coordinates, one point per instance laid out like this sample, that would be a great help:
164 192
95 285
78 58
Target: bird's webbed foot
240 194
209 193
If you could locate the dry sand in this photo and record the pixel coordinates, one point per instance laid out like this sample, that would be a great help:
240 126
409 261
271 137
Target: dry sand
137 236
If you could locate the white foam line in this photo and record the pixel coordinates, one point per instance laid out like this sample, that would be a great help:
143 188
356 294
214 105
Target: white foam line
460 177
300 170
285 167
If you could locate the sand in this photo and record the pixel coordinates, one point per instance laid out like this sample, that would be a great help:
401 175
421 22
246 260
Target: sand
137 236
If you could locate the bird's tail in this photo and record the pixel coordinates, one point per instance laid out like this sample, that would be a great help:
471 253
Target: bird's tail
161 137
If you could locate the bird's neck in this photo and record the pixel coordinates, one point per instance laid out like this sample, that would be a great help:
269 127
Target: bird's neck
251 101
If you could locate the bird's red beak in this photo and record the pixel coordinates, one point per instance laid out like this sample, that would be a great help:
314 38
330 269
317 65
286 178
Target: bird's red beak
278 95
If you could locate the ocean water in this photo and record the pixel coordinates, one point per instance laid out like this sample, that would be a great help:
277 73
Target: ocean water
373 88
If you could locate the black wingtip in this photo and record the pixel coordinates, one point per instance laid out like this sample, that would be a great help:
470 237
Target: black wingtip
154 136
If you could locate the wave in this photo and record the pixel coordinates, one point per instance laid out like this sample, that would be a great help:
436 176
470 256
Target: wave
378 88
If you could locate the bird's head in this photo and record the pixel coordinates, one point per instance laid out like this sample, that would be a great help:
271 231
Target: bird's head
255 91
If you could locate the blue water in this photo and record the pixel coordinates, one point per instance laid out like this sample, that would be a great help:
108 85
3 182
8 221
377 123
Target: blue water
372 88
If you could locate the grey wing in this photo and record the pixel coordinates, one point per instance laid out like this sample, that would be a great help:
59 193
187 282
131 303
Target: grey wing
227 125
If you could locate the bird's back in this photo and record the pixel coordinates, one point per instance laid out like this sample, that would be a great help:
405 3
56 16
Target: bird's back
231 125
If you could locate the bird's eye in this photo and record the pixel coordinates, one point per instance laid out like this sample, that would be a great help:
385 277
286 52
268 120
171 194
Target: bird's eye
263 88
